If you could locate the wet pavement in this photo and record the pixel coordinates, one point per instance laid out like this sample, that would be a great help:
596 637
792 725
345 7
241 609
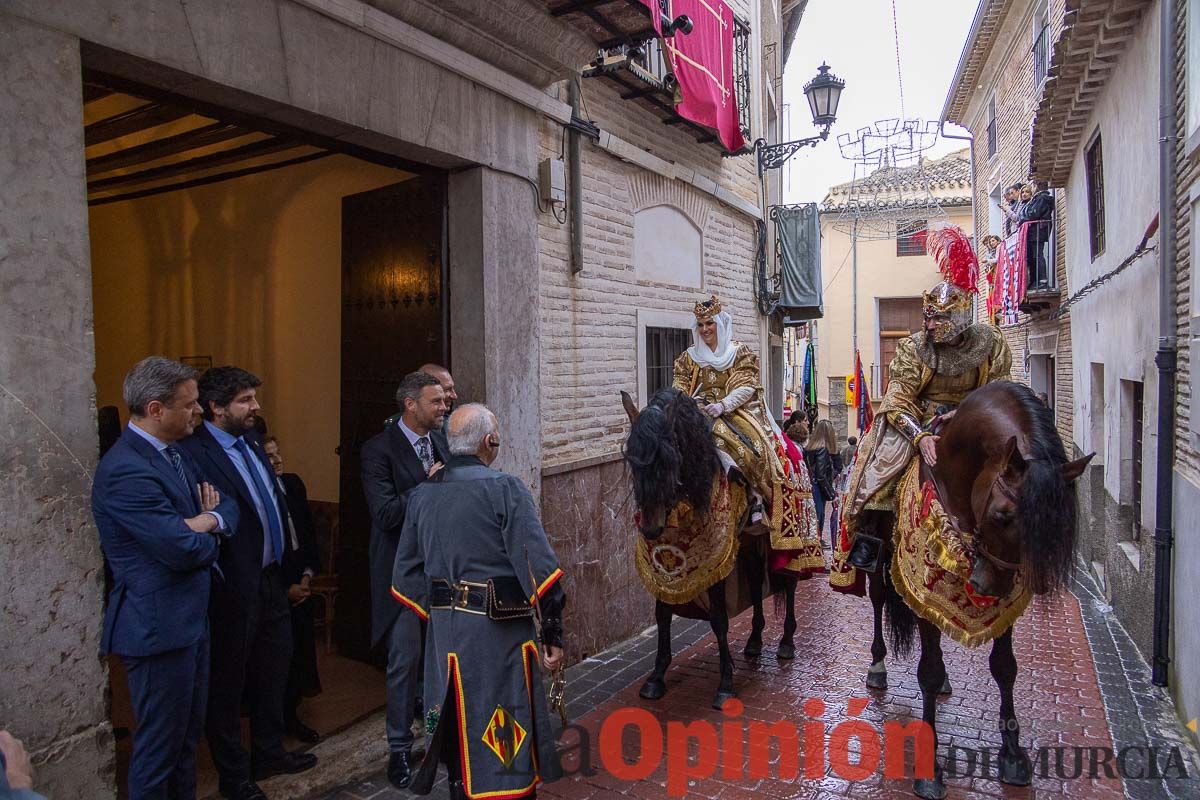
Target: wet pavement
1083 697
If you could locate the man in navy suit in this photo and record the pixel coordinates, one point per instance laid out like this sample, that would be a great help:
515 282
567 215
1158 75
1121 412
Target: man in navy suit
251 616
160 527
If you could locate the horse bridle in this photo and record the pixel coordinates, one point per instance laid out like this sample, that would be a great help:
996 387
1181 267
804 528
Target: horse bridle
1006 490
997 484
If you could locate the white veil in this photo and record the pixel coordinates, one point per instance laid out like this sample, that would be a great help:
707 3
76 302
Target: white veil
723 356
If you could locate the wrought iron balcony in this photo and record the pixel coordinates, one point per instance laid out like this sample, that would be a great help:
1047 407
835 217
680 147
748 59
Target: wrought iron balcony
631 57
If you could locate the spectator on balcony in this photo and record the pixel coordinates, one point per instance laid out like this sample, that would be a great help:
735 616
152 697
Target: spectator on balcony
1039 209
1010 207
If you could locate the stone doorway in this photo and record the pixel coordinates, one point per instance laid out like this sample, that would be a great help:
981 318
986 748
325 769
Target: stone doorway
216 240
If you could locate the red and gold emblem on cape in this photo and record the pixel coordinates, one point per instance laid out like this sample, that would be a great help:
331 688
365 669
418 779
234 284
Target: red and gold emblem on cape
504 736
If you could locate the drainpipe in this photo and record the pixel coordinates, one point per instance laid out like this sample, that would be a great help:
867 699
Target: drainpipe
574 182
1168 347
974 211
975 235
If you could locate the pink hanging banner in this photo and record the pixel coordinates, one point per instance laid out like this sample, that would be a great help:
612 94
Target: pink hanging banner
703 64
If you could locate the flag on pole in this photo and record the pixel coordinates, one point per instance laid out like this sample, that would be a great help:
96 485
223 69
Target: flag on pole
862 396
810 380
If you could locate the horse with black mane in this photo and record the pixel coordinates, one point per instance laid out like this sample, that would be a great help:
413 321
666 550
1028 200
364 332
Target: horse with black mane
972 540
694 555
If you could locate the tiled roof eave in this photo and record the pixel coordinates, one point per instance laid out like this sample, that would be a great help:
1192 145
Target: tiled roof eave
1089 48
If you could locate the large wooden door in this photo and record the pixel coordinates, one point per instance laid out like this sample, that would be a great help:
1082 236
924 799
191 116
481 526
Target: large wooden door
393 321
898 318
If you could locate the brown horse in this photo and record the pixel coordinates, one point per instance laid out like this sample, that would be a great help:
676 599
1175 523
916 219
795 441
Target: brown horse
1003 477
672 458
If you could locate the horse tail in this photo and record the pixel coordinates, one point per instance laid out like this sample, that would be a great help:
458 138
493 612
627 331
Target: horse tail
902 622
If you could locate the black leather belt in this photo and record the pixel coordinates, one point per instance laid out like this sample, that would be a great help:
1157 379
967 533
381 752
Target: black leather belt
465 596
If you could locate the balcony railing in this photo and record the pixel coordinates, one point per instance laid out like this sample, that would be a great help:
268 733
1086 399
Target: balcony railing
741 74
1041 55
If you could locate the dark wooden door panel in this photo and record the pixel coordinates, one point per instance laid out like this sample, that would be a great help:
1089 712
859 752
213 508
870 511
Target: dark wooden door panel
393 246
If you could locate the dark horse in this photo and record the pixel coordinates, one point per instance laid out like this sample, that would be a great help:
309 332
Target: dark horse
1002 475
672 457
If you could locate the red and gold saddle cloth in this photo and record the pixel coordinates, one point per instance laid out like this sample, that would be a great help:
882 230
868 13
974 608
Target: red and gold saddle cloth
931 565
693 552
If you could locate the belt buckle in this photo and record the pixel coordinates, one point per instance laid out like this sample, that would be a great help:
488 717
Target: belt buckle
461 596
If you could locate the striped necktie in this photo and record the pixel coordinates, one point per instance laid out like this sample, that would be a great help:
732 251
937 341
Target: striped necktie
177 462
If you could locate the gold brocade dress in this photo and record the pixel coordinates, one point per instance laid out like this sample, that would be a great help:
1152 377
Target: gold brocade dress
745 434
923 378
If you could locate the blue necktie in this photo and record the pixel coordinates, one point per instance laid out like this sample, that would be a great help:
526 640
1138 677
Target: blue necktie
266 497
177 462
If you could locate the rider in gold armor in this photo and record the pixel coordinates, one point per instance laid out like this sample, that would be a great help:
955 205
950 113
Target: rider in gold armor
933 371
723 376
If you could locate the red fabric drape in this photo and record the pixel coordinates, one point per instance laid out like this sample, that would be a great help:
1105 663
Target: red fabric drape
703 64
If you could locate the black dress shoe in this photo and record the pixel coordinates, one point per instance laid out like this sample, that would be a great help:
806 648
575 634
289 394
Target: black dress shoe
399 773
287 764
246 790
302 733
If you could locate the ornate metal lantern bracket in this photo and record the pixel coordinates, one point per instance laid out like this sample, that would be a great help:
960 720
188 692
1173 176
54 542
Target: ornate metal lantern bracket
774 156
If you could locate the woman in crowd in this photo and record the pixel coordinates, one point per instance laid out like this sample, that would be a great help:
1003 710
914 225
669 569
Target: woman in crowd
824 464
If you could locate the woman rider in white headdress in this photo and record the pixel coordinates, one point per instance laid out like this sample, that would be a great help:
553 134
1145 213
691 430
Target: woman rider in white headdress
723 376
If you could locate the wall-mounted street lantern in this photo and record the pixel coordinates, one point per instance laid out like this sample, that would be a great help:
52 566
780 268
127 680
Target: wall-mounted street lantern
824 92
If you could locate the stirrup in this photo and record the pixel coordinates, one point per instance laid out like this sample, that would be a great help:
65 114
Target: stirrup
865 552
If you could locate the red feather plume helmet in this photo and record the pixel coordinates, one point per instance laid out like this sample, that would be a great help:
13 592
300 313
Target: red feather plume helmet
949 303
949 246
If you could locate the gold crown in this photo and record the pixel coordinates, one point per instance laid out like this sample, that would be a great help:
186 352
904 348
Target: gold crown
707 308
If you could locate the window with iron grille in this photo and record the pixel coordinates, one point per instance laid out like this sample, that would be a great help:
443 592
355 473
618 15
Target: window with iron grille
741 74
1041 54
663 346
907 241
991 128
1093 161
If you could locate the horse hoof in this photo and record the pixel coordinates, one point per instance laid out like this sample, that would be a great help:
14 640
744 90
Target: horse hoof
753 648
1016 770
946 689
786 651
876 680
928 789
653 689
720 698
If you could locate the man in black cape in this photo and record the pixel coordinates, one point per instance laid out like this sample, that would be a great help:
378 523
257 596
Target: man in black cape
472 561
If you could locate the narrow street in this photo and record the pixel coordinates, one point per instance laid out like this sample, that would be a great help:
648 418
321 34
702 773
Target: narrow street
1082 692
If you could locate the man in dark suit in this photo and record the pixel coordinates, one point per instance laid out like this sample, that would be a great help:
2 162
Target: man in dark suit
300 564
251 617
159 527
393 464
447 381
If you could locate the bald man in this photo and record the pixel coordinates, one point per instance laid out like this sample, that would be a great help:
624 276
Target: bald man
472 558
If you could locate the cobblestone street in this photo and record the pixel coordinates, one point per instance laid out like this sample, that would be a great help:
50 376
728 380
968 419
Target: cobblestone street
1081 685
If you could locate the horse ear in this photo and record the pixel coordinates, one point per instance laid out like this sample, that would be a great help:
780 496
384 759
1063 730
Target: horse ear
1013 463
1073 469
630 408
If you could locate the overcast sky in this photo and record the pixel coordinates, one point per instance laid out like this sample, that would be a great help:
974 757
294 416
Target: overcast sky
855 37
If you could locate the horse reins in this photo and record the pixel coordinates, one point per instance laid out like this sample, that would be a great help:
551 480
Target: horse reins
997 484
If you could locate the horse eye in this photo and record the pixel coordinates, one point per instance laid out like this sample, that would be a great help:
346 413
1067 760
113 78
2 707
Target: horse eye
1001 517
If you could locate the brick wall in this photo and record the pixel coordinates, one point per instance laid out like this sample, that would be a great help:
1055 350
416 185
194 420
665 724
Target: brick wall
1016 100
589 320
1187 458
